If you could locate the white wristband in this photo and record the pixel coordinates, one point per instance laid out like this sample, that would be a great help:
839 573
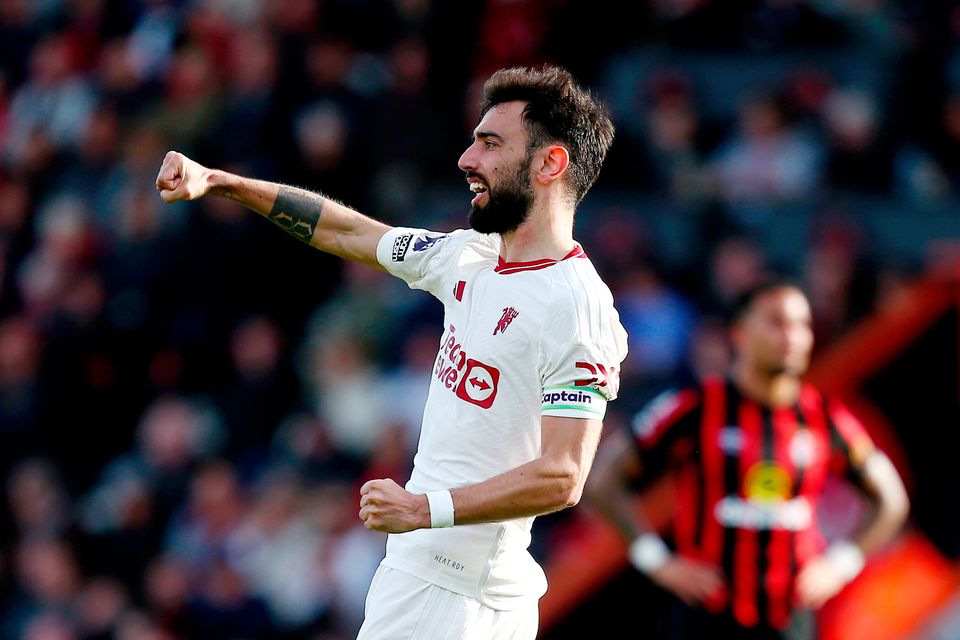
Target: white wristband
441 509
847 558
648 553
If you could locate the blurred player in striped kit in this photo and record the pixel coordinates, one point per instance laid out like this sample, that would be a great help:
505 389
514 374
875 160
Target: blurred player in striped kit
750 454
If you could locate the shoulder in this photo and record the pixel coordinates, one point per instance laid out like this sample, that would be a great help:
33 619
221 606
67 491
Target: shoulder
486 246
580 274
422 240
576 285
664 410
826 406
581 301
810 396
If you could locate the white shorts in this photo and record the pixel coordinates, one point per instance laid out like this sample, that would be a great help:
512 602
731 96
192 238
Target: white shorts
401 606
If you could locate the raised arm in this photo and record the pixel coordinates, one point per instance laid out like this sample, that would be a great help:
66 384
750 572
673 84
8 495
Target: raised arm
551 482
310 217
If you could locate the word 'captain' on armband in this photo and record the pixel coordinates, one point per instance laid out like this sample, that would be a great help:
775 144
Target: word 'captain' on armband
573 402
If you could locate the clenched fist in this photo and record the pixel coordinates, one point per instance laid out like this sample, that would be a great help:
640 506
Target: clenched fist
388 507
181 178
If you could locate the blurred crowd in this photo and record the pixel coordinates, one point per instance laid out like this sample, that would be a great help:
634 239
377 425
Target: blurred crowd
190 399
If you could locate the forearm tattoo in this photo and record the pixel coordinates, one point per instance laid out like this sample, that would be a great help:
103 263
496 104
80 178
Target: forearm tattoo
297 211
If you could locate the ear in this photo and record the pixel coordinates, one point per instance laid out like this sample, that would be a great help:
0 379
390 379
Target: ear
553 164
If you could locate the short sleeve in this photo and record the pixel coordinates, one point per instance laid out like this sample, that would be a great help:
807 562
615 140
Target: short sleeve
850 442
417 256
580 376
665 431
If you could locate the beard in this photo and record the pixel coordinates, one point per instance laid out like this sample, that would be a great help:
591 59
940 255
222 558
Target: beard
508 205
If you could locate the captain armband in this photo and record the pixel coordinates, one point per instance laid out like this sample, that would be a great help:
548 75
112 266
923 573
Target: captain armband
573 402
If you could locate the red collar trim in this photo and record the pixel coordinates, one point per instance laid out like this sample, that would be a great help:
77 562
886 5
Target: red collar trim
507 268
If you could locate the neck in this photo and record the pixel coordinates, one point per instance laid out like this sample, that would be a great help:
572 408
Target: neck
546 233
772 390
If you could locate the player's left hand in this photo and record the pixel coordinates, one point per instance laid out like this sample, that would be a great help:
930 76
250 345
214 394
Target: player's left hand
818 581
388 507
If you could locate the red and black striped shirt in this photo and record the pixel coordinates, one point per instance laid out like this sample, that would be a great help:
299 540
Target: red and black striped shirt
749 479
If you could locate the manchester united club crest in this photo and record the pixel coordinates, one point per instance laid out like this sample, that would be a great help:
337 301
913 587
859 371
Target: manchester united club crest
508 315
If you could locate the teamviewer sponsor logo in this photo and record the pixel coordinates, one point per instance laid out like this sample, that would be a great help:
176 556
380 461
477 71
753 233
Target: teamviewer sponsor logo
479 384
470 380
400 247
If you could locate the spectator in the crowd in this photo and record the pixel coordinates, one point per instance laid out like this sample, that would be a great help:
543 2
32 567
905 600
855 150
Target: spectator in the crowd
122 526
735 264
946 148
405 114
351 556
89 165
261 390
98 607
658 320
167 590
344 386
38 502
248 125
303 442
405 384
678 140
199 533
136 625
21 391
224 607
768 160
65 246
709 348
51 111
191 100
840 279
280 554
15 238
857 156
47 581
174 434
48 626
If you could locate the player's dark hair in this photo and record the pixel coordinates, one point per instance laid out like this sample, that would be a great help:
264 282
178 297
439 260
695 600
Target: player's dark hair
742 304
557 111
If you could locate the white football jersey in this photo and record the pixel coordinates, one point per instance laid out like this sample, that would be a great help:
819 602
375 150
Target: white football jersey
520 340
